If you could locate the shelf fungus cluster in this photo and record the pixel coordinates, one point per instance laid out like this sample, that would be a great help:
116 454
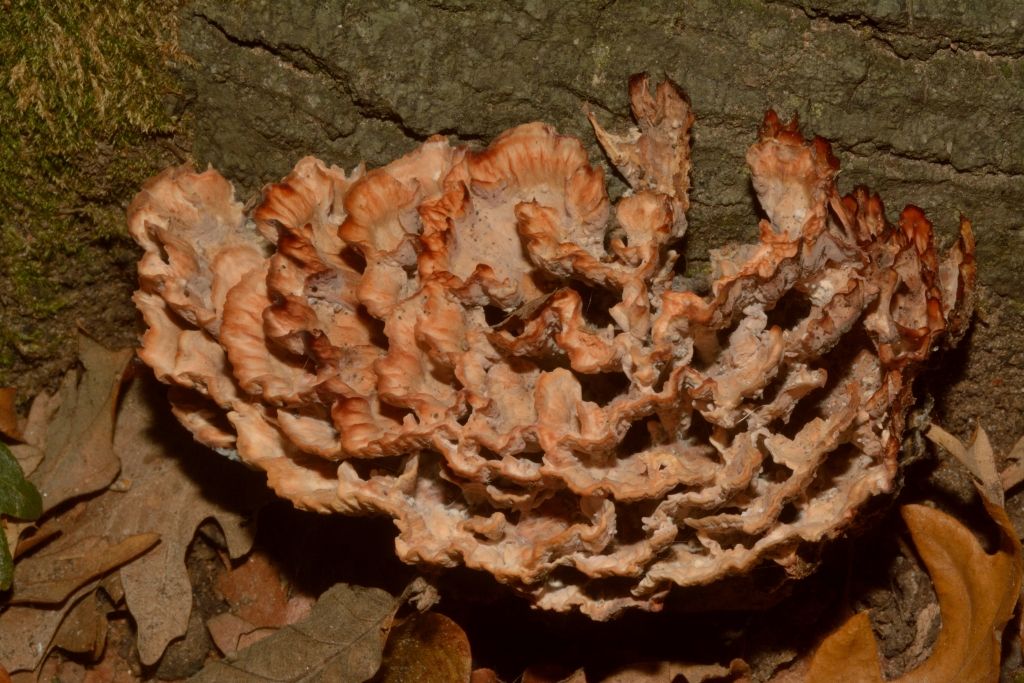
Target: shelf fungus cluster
479 344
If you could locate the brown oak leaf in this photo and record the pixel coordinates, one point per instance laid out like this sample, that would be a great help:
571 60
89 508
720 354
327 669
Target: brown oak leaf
167 487
173 486
427 647
50 576
78 458
977 591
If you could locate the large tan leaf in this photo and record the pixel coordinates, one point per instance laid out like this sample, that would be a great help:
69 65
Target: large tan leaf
172 491
977 591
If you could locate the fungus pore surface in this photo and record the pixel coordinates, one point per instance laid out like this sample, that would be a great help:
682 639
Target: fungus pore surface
482 346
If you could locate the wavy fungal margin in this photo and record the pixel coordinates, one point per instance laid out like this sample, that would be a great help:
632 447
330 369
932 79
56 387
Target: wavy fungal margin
482 346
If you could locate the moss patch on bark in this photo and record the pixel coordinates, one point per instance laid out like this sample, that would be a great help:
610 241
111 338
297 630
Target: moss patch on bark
89 108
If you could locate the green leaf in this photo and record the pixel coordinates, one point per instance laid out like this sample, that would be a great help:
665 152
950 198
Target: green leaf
6 563
19 499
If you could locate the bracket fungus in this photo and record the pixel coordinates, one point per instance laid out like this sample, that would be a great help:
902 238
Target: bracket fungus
482 346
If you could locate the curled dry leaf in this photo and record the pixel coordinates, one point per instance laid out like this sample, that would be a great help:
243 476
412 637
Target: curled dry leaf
111 660
849 654
977 591
84 629
482 346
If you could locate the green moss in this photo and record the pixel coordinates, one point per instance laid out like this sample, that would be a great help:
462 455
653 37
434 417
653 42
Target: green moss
85 108
87 67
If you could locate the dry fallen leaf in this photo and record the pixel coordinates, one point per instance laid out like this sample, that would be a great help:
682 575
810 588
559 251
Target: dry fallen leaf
1014 473
157 588
77 440
258 598
255 591
67 437
36 628
50 576
9 426
977 592
976 456
427 647
168 484
111 663
231 633
84 629
341 642
850 652
33 433
26 632
71 671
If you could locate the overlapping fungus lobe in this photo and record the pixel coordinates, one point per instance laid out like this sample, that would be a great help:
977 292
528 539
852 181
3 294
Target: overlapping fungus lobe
481 346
